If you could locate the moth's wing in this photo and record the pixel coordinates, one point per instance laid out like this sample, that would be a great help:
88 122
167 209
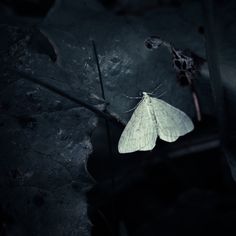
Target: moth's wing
171 121
140 133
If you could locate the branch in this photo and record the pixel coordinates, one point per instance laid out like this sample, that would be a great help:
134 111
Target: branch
214 70
62 93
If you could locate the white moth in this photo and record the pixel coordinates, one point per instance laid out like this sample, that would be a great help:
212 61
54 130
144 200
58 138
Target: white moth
151 118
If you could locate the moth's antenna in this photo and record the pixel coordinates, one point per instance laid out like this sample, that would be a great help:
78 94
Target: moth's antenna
157 87
131 97
155 90
161 95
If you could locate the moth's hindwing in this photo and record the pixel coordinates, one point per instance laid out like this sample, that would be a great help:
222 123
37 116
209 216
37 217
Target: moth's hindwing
171 121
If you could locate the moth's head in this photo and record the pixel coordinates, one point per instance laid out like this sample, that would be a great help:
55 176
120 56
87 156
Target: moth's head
145 94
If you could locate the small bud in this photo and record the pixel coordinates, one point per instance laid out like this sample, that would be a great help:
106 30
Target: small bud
153 42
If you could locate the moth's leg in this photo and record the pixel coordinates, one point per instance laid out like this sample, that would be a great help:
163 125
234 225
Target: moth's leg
132 108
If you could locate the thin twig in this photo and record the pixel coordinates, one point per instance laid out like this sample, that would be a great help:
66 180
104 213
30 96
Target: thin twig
62 93
99 70
214 70
227 142
195 99
108 140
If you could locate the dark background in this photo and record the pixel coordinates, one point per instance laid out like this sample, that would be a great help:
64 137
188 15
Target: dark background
60 172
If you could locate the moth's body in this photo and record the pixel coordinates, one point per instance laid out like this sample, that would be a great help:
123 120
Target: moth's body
147 100
151 118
